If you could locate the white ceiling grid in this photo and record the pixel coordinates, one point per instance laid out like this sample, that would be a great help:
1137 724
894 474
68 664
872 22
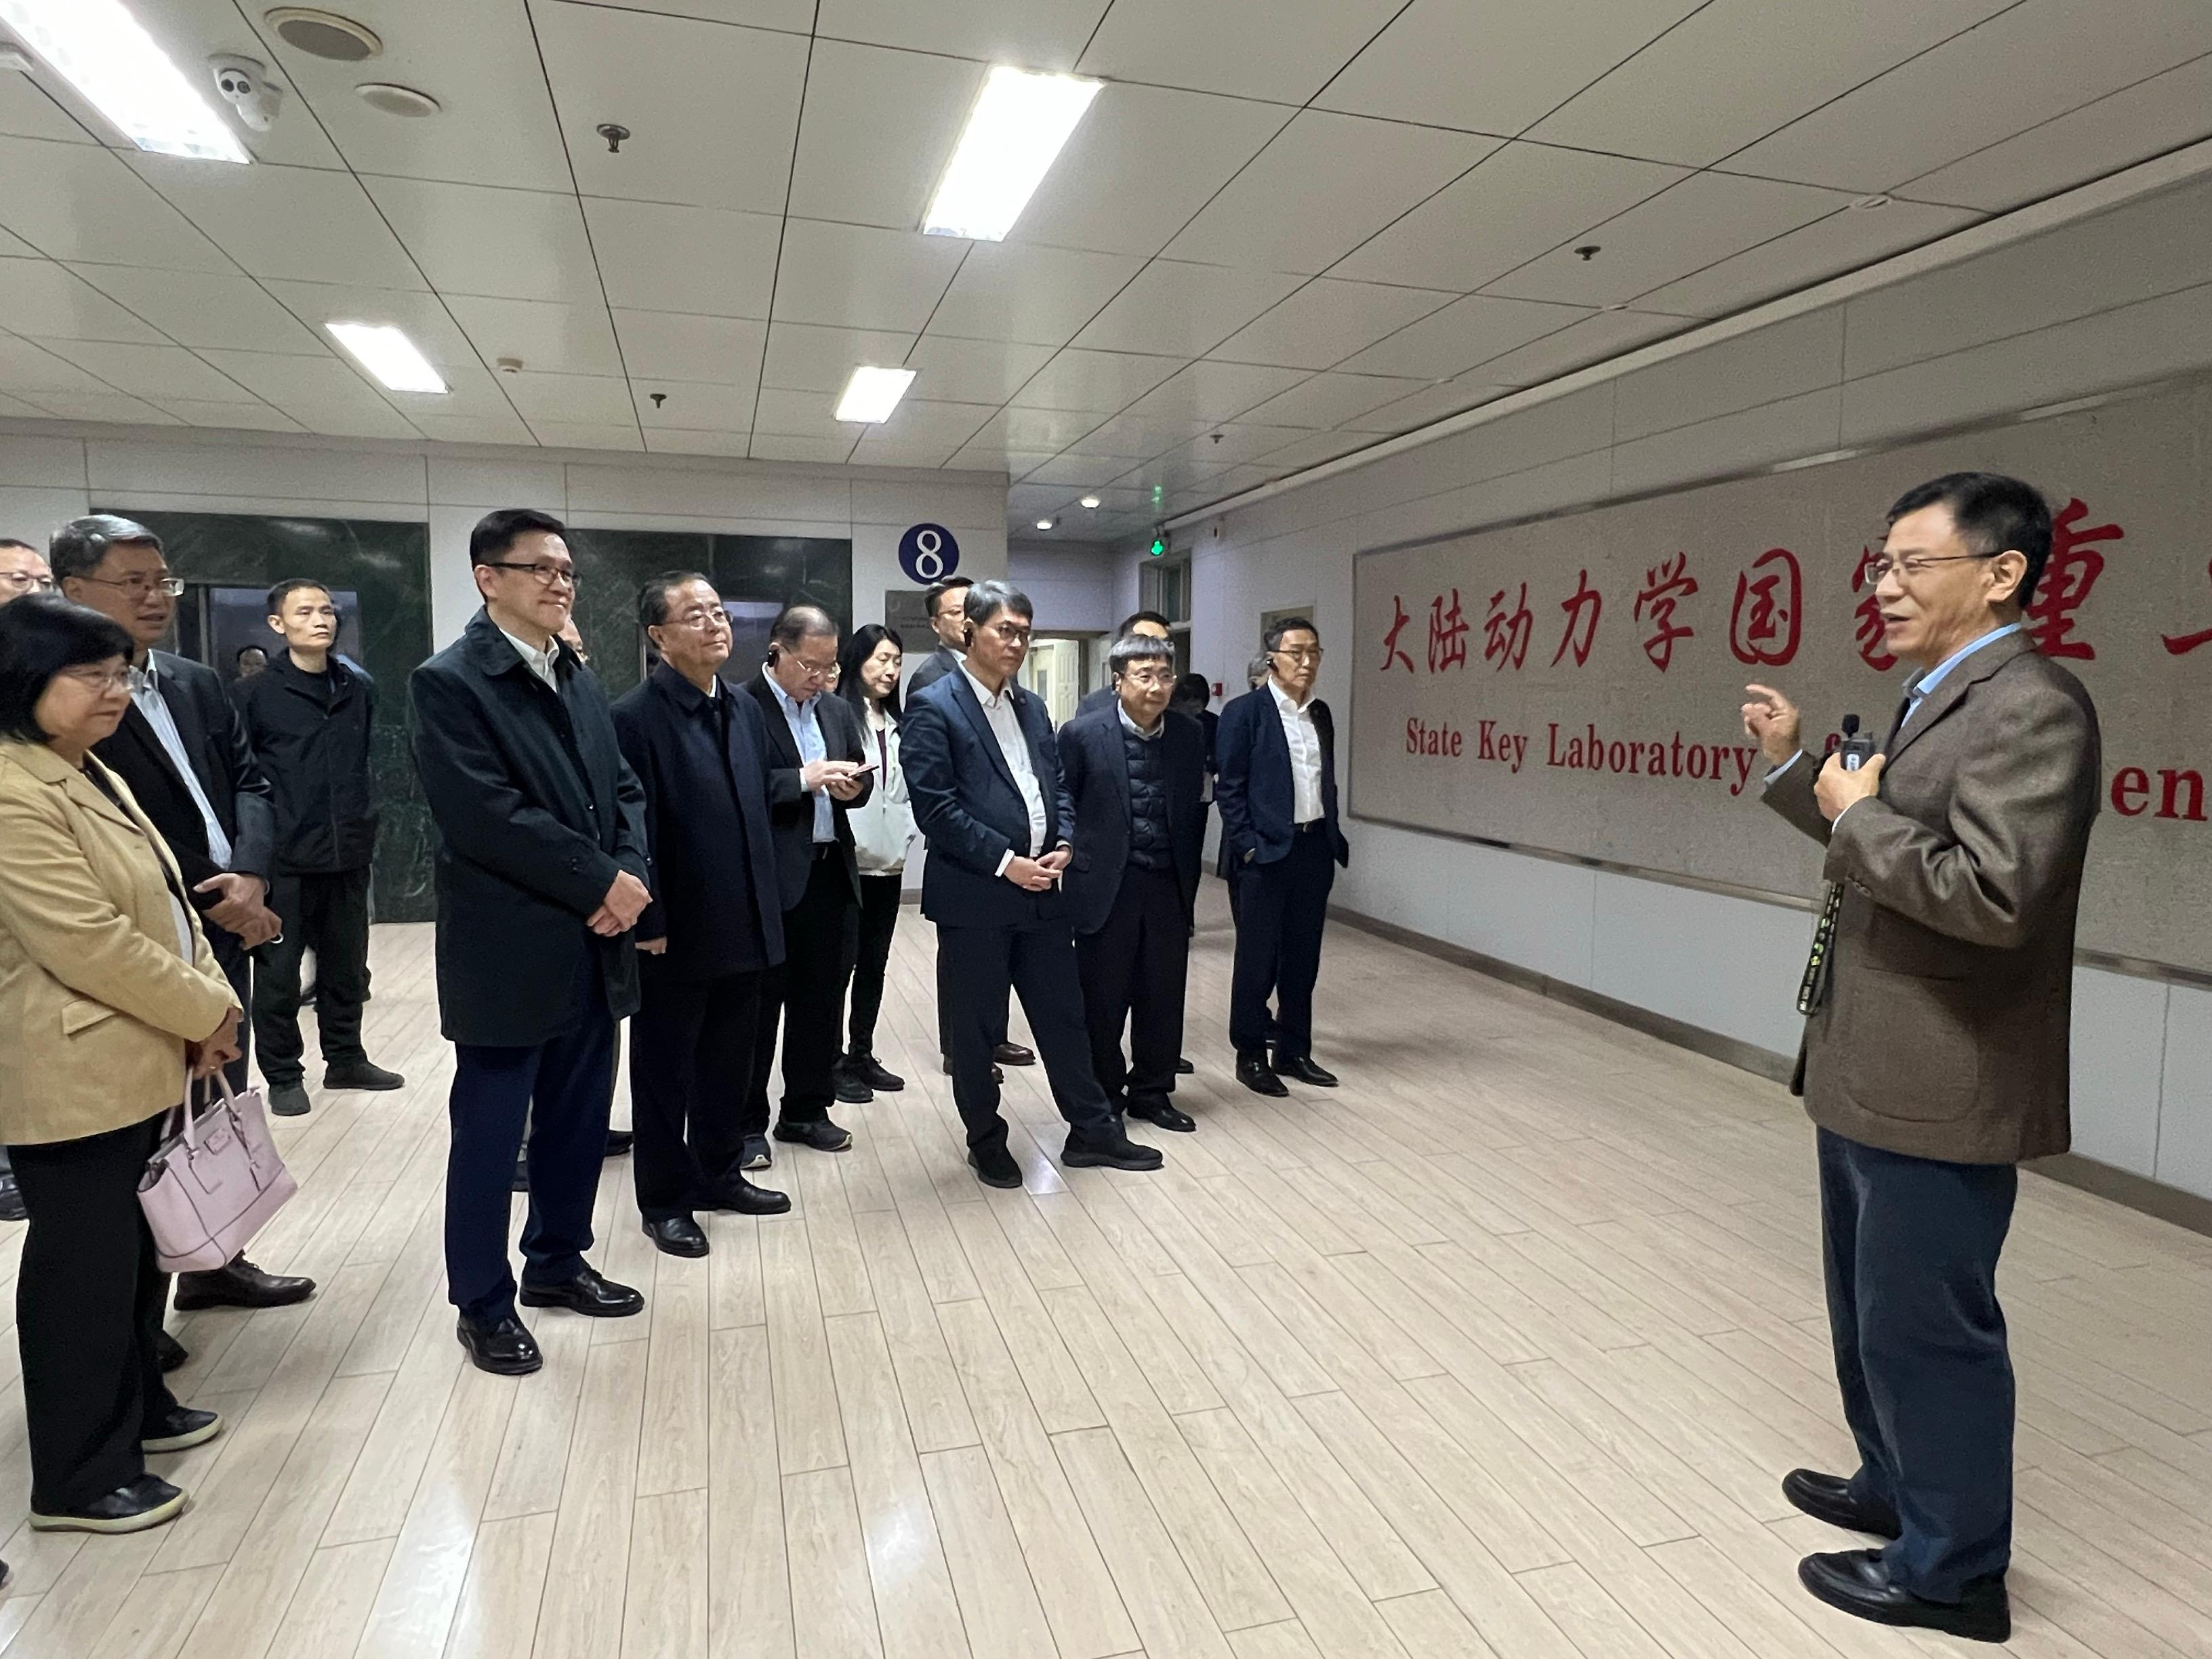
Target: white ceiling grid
1283 232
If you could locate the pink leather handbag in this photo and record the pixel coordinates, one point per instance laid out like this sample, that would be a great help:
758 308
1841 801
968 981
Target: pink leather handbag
213 1182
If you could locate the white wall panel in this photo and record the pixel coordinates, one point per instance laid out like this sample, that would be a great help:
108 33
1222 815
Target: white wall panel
2119 1048
2185 1137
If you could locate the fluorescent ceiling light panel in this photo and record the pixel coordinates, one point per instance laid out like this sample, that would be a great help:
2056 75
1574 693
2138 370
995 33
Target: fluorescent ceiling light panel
99 48
872 393
388 354
1019 123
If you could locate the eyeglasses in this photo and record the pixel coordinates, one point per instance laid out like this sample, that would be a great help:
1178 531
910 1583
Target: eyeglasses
705 616
1010 633
100 679
1149 675
27 582
139 586
814 675
1298 653
1916 564
547 574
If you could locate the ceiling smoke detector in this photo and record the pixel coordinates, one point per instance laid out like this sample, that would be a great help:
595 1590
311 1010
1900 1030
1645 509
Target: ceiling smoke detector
324 34
395 100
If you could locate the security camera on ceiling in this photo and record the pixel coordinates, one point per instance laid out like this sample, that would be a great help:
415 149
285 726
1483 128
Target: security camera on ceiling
245 86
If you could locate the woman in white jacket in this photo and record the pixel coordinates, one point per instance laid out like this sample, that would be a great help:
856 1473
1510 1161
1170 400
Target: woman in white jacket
883 828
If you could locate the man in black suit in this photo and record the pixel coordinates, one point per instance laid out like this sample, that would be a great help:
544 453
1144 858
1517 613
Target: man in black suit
541 875
816 756
714 928
1137 625
1135 773
1277 792
183 751
984 775
949 622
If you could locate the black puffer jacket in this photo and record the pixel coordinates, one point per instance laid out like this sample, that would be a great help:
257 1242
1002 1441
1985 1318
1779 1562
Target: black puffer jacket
312 744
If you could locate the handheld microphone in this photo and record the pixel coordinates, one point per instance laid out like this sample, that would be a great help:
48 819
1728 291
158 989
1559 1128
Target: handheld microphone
1857 746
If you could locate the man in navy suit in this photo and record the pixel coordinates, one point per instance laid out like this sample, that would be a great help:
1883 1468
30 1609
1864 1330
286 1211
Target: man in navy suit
1137 774
714 928
984 775
1276 788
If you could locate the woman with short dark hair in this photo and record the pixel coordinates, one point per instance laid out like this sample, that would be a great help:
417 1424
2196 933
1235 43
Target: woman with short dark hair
109 998
883 829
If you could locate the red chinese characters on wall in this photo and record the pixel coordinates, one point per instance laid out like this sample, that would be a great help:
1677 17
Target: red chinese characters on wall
1505 636
1447 634
1871 634
2072 571
1665 586
1392 653
1584 607
2182 645
1764 625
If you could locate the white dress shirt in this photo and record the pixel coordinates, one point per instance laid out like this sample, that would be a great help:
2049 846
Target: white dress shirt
1304 739
539 663
1014 744
804 720
146 692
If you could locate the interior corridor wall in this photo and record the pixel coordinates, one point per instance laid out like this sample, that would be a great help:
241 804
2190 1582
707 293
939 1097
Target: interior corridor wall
2112 300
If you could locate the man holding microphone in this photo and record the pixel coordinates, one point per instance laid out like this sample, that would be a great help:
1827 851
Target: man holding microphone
1934 1056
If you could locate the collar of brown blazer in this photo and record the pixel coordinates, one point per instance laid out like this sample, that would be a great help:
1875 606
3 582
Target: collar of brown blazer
1952 692
42 763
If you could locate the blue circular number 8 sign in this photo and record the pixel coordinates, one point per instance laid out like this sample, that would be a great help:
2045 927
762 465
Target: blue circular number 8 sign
928 553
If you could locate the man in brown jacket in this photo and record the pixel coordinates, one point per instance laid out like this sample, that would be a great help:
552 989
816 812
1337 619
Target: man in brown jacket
1934 1058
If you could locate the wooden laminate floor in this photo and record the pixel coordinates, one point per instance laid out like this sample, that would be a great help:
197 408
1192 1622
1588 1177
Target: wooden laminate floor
1499 1349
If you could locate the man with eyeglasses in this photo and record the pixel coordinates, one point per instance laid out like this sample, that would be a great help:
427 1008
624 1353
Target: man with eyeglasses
1136 772
1276 788
817 762
1935 1060
541 876
1139 625
183 750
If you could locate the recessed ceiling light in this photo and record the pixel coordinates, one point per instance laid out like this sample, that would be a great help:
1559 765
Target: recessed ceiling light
1044 524
99 48
388 354
324 34
1090 501
1013 135
872 393
395 100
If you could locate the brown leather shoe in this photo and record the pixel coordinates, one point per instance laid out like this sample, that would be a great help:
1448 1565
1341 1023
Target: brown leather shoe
239 1284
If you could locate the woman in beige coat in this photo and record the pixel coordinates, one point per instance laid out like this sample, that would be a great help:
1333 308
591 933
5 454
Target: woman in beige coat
108 997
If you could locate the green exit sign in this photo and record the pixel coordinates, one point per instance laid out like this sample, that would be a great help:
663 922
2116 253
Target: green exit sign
1159 546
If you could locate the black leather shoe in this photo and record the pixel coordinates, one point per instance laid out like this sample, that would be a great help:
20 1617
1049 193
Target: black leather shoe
239 1284
148 1501
756 1155
504 1347
1012 1054
180 1431
360 1074
1300 1068
169 1351
290 1099
1183 1067
11 1203
994 1166
587 1294
822 1135
1253 1072
870 1071
739 1196
619 1141
1828 1498
1157 1108
1856 1582
676 1235
1112 1150
851 1087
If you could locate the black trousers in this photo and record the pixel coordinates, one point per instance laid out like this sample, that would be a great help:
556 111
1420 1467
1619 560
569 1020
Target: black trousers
1911 1248
562 1090
231 956
329 915
88 1304
1134 970
691 1069
821 937
879 914
1281 909
976 969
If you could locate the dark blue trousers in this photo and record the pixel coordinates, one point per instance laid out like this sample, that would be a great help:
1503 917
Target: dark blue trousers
561 1089
976 967
1910 1247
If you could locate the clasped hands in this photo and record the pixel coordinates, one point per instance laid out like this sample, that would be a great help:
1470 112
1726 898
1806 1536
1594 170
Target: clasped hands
1773 721
243 908
1035 875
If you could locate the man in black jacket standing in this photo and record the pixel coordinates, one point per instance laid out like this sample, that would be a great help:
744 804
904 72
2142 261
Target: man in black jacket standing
1136 773
308 715
541 875
183 750
815 754
714 928
949 622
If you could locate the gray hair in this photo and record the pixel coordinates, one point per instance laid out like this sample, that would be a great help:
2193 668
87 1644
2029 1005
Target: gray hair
81 545
795 622
987 599
1137 647
1258 668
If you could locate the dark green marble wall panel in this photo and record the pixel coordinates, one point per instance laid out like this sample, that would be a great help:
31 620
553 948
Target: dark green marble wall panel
388 565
